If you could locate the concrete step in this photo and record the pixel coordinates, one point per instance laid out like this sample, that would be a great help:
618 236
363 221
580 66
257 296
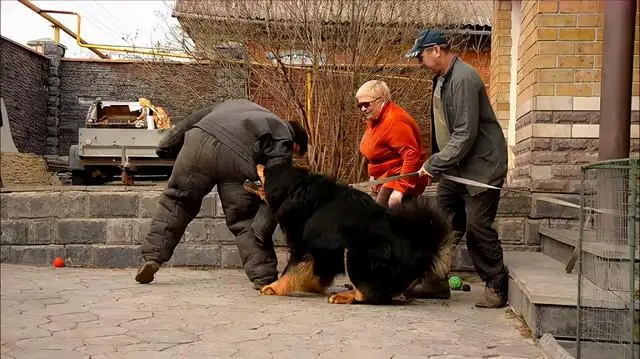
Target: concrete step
546 296
599 350
606 264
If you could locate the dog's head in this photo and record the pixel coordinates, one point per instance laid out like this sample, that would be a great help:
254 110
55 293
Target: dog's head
280 181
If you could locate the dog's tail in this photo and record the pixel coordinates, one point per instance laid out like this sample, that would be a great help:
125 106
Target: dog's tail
428 229
444 257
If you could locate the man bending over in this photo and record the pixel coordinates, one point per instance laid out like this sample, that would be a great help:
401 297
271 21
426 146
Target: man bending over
219 145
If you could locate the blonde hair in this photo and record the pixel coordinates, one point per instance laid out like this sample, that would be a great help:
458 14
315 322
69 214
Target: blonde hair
375 89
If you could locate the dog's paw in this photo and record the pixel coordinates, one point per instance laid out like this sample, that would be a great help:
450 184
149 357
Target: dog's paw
268 290
347 297
337 289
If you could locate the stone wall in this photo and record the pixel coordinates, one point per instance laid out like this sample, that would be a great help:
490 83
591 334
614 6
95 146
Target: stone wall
24 90
98 227
104 229
54 52
178 87
47 96
559 137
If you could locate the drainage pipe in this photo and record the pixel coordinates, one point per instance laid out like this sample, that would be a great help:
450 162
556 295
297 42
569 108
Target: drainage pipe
617 79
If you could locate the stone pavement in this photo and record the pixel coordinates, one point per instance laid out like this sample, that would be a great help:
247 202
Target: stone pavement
102 313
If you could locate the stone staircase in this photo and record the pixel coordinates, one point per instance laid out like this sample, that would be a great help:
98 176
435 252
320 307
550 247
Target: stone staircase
546 296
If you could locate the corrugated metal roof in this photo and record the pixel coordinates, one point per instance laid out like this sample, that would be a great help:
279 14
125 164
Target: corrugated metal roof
434 12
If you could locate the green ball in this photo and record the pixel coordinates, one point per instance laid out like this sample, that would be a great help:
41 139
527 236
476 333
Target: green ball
455 282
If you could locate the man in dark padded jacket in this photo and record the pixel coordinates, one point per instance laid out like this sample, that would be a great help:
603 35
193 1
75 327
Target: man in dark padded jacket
219 145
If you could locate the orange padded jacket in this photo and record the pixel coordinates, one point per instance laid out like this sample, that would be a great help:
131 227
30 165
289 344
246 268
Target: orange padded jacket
392 145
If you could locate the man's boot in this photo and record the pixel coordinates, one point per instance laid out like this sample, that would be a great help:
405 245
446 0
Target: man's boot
492 299
430 287
146 273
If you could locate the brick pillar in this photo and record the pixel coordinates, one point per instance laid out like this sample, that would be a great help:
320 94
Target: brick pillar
501 61
54 52
501 79
557 125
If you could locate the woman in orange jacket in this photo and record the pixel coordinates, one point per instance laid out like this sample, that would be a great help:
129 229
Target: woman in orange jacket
391 144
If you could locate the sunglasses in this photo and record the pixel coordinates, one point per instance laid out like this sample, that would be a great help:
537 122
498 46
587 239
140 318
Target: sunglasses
367 104
429 48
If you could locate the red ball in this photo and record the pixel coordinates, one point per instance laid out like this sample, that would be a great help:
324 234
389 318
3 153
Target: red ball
58 262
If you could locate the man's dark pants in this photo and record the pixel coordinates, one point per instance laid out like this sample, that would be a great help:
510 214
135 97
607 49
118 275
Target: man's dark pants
204 162
474 215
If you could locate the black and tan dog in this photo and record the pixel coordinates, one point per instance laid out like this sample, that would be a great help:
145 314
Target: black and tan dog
331 227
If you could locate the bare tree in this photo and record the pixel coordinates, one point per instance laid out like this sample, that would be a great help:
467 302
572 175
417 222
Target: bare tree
304 59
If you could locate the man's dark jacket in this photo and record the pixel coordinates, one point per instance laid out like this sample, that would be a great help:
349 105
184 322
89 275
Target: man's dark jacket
250 130
220 145
476 149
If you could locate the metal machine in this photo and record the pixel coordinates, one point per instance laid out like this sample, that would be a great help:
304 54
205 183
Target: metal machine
119 140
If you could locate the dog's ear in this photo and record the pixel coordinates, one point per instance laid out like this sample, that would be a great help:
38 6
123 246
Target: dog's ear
260 170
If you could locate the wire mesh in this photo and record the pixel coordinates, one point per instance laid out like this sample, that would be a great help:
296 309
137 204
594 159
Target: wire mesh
608 320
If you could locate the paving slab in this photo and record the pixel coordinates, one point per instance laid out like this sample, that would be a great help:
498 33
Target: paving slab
186 313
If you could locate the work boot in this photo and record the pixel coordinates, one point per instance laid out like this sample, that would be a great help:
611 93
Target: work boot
147 271
492 299
429 289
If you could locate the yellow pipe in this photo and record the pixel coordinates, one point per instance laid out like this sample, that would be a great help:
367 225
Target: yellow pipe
112 48
237 62
56 34
309 97
82 43
58 24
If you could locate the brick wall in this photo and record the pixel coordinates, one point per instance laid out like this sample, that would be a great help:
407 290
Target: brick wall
559 68
561 49
24 90
481 61
180 88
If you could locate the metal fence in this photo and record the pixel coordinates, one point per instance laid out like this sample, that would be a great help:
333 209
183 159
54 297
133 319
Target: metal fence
608 322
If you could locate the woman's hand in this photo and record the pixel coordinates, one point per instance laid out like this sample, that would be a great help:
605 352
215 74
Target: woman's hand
395 198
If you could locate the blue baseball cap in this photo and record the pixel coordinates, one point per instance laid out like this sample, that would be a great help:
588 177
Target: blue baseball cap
426 39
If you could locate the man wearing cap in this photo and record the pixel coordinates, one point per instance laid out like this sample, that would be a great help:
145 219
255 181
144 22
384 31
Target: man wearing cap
467 142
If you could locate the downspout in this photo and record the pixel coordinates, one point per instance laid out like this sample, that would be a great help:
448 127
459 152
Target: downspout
617 79
614 139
